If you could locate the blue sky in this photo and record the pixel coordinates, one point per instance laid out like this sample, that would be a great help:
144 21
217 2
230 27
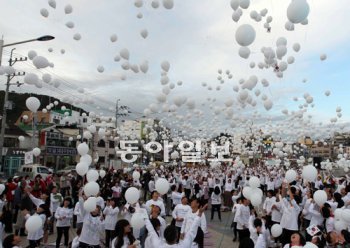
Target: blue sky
197 37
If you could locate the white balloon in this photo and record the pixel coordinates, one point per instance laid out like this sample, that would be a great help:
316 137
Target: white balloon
165 66
291 175
138 3
9 70
34 223
40 62
90 204
247 192
269 19
327 93
281 51
31 78
86 159
46 78
83 149
236 15
256 199
124 53
91 189
70 24
268 104
68 9
77 36
244 4
137 220
136 175
340 225
92 128
162 186
100 69
36 151
234 4
82 168
168 4
289 26
290 60
281 42
144 66
338 214
309 173
320 197
155 4
323 57
44 12
114 38
244 52
276 230
297 11
254 182
33 104
102 173
245 35
283 66
144 33
92 175
132 195
296 47
32 54
52 4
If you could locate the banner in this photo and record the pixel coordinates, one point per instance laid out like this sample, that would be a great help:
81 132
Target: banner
28 157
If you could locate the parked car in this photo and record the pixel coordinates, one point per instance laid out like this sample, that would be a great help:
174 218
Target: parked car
33 170
67 170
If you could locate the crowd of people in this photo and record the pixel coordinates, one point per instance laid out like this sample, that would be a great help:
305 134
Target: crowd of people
288 216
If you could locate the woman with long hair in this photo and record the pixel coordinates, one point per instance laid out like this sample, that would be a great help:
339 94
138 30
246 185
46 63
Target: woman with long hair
111 216
124 236
64 215
216 202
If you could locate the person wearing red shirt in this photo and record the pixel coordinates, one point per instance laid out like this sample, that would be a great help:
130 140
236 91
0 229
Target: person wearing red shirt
38 186
10 190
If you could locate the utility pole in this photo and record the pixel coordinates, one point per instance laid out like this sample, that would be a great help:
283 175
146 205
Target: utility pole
5 106
9 78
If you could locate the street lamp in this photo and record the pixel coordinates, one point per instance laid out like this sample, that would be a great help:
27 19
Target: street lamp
4 114
42 38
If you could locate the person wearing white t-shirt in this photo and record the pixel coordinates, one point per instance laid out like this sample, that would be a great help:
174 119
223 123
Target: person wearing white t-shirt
155 201
189 221
93 226
111 217
180 212
175 196
216 202
77 213
242 219
64 216
170 234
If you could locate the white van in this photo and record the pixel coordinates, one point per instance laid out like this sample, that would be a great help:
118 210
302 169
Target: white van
32 170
